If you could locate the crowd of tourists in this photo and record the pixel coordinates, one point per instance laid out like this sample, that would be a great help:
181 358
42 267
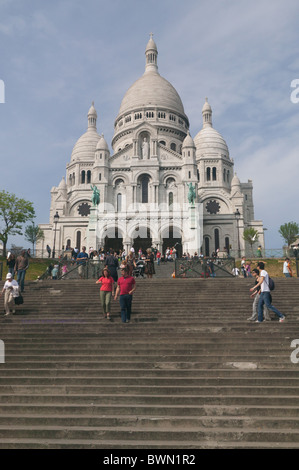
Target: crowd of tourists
117 278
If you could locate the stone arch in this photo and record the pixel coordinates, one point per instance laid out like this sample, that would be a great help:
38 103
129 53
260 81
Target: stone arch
225 204
171 235
76 203
119 176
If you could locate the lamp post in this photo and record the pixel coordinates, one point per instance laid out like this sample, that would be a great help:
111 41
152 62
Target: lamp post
56 219
238 215
265 241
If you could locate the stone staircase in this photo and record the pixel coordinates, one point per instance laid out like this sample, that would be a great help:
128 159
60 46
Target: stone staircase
188 372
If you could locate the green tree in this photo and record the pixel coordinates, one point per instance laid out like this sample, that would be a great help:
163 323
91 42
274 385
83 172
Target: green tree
33 233
13 213
289 232
251 236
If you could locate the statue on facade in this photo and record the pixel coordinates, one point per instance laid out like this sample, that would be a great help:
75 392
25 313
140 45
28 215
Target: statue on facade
145 148
191 193
95 196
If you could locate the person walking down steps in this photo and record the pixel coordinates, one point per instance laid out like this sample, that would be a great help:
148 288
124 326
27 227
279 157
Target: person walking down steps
106 291
10 290
125 287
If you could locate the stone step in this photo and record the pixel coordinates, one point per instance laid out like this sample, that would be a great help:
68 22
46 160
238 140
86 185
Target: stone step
224 374
92 410
144 423
169 379
129 435
153 390
154 382
153 400
123 444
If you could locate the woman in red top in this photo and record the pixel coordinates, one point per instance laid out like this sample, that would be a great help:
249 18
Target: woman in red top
106 291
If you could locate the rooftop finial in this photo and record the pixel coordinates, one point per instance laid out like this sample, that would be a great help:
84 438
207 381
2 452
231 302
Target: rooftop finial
207 114
151 53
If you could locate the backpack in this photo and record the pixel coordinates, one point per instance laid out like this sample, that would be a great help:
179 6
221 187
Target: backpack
271 284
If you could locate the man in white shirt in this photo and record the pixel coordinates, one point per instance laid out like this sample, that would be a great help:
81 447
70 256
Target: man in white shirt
265 296
287 271
11 290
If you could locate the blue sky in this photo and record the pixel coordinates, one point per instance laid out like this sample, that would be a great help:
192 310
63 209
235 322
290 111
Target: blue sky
57 57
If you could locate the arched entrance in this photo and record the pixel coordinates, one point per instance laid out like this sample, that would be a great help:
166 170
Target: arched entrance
141 242
113 241
173 241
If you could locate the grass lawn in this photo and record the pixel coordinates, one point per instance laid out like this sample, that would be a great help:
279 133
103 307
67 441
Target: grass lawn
272 265
38 266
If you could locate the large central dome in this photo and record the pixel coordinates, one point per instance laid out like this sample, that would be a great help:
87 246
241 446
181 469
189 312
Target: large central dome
151 90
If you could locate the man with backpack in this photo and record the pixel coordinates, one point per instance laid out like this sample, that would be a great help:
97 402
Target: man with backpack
265 296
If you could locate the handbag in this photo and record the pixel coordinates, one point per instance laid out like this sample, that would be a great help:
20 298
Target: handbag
19 300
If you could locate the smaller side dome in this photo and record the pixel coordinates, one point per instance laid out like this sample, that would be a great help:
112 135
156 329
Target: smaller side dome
235 181
102 144
188 141
85 146
62 184
208 140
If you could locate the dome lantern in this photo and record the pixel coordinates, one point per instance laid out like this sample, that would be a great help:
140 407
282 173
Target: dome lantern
207 114
92 117
151 54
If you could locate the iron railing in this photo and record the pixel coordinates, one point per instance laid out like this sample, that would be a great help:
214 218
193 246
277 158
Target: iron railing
204 267
70 269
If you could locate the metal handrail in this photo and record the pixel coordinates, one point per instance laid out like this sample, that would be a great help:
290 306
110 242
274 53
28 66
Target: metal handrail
91 269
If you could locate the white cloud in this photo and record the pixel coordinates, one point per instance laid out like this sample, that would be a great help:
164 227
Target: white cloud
59 56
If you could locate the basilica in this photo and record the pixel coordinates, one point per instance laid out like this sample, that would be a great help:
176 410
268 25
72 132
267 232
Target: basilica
144 183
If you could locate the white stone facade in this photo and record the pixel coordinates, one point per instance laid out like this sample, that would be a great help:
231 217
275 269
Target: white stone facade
143 183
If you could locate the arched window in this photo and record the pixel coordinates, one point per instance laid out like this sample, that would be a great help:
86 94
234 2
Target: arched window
73 178
214 172
208 174
144 189
170 200
173 147
224 174
118 202
88 176
216 235
162 142
227 244
83 177
170 182
78 239
227 176
207 246
198 175
100 176
119 181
